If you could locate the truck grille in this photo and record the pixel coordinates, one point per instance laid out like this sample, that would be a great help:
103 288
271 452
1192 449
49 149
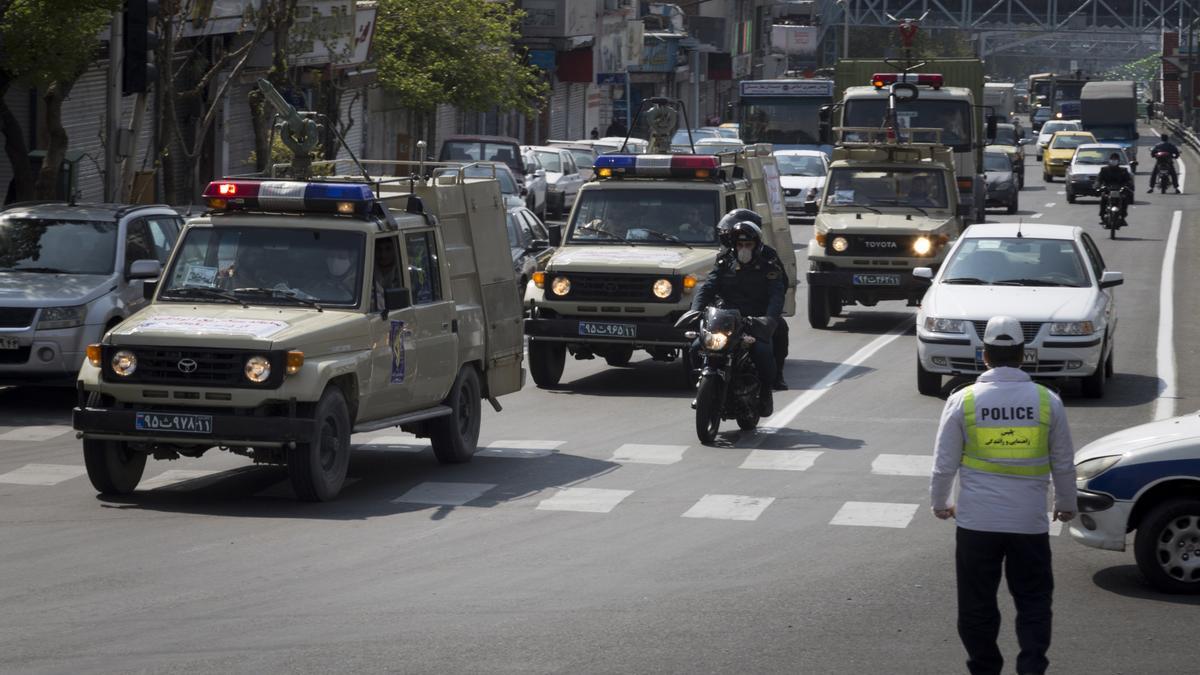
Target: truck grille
16 317
193 367
1029 328
594 287
875 245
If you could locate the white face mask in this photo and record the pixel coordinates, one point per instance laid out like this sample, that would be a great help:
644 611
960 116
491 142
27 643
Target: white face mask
1112 162
339 266
744 255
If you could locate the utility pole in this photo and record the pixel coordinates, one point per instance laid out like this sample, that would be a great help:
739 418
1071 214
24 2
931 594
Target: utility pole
112 107
846 29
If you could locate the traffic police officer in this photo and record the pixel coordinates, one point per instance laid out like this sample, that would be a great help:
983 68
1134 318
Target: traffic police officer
1006 439
749 277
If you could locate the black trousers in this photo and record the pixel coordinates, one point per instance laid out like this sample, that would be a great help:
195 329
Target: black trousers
779 342
1026 565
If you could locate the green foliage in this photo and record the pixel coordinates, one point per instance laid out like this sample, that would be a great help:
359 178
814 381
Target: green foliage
455 51
48 41
1143 70
281 154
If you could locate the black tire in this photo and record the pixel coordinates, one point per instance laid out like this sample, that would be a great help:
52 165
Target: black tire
818 307
1046 177
835 302
928 383
1012 206
708 409
546 362
318 468
1112 231
1168 532
112 467
1070 197
455 436
1109 367
618 356
1093 385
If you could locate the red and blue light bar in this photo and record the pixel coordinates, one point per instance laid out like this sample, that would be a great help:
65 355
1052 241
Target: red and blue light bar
657 166
933 80
289 195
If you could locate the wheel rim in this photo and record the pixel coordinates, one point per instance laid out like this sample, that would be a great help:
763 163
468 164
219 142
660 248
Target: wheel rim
330 444
464 410
1178 550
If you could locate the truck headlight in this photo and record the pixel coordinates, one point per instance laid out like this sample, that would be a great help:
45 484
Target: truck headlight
715 341
62 317
840 244
124 362
1072 328
258 369
1089 469
935 325
560 286
922 246
662 289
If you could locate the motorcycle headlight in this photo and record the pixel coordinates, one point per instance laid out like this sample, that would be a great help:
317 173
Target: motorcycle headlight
62 317
1072 328
922 246
935 325
715 341
840 244
258 369
662 289
1091 468
560 286
124 362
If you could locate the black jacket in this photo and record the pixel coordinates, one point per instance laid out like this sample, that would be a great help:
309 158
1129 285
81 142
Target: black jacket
755 289
1115 175
1169 147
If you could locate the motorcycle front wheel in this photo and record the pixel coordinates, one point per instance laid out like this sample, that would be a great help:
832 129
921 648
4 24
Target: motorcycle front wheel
708 408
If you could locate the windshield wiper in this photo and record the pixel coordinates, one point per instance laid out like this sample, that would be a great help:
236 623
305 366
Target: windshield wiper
41 270
593 228
861 206
203 291
914 206
974 281
666 237
1036 282
280 293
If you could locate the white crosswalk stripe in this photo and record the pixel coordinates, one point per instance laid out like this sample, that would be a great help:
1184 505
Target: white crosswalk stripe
920 466
584 500
444 494
520 449
394 443
38 433
875 514
729 507
42 474
781 460
636 453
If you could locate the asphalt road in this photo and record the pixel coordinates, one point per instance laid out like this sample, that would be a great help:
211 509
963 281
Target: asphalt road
594 535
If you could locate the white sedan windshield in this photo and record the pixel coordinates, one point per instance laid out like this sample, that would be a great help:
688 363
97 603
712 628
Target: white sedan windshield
1016 262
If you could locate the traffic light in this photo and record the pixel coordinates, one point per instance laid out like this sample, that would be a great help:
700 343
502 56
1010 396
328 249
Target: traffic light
137 72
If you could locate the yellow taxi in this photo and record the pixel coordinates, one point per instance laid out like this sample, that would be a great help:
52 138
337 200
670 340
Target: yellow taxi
1059 152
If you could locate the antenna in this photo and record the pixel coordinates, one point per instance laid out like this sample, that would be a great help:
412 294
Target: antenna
1020 222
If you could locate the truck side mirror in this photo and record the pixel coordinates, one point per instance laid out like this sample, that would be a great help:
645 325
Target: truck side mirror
555 232
397 298
538 245
144 269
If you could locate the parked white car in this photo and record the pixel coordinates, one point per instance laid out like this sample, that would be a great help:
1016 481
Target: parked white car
563 179
802 175
1145 480
1052 278
633 146
1048 130
535 183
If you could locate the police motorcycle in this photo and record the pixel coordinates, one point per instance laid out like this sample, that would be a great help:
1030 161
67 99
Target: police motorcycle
1111 199
1164 164
728 387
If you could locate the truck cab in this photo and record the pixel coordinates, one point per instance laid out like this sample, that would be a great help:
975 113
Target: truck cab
294 313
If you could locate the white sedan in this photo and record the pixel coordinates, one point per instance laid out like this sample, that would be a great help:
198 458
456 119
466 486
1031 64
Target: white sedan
1052 278
802 177
1050 128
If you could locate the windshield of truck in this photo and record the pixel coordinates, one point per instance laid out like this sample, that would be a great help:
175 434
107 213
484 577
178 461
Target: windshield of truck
994 161
1063 142
57 246
953 117
1068 91
475 151
800 165
850 187
659 216
266 265
782 121
1016 262
1116 132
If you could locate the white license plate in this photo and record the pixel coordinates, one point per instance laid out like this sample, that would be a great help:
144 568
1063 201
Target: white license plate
597 329
9 343
184 424
876 279
1029 359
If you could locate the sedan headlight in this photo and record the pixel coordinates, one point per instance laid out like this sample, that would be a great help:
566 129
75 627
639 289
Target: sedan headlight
662 289
1089 469
840 244
560 286
62 317
1072 328
124 363
935 325
715 341
258 369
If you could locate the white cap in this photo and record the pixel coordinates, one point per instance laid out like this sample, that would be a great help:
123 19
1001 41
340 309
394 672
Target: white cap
1003 331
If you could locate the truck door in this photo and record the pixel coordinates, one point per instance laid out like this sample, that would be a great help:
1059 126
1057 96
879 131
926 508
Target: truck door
393 345
435 313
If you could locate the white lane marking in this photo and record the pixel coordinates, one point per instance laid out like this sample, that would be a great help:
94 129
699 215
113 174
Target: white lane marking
729 507
42 474
173 477
1037 215
396 443
1061 192
519 449
903 465
444 494
1050 205
789 413
875 514
636 453
39 433
1164 405
781 460
584 500
1055 525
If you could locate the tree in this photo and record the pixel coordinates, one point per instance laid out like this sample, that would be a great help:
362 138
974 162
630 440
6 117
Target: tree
458 52
48 45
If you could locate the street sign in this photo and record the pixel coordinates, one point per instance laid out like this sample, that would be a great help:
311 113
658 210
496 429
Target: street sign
611 78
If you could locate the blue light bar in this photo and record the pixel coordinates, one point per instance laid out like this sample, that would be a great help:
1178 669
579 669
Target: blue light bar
621 162
340 192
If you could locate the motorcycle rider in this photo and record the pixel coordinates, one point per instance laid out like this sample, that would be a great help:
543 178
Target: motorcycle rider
1115 175
749 277
1165 145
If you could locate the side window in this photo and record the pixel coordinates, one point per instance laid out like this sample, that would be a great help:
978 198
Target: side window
1093 255
536 228
730 203
568 163
164 232
139 245
386 274
516 232
423 270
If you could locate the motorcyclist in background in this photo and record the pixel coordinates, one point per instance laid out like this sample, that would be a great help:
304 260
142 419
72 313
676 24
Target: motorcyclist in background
749 277
1115 176
1165 145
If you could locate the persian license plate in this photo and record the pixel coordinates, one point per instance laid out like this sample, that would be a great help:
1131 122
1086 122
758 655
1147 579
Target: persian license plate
171 422
9 343
876 279
1030 357
597 329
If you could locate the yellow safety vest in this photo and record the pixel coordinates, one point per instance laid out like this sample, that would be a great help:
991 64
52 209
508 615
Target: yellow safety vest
985 445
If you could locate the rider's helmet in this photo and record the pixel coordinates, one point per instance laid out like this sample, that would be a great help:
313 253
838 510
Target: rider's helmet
725 227
1165 138
746 231
1114 159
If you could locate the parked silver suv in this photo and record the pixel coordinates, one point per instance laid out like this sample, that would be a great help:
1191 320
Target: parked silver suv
69 273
